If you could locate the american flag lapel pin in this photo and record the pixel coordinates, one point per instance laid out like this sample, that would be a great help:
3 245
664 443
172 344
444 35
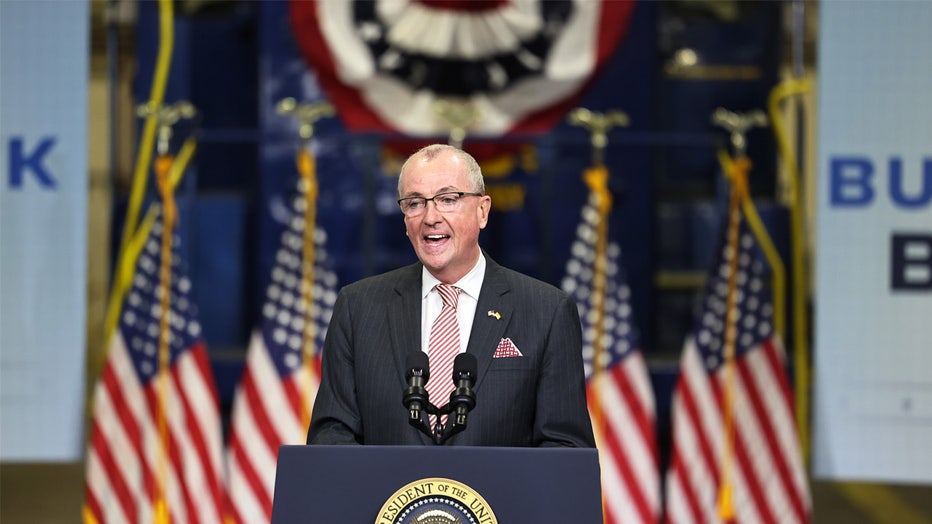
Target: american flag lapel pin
496 314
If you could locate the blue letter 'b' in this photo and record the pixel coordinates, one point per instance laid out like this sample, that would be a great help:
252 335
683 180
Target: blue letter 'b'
850 180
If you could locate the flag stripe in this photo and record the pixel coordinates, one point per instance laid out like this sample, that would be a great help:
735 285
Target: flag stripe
192 446
178 489
272 393
260 418
692 457
786 435
118 433
122 395
689 512
236 492
627 379
296 399
254 441
115 403
746 479
111 480
92 505
701 415
258 488
615 436
778 456
190 380
756 434
248 434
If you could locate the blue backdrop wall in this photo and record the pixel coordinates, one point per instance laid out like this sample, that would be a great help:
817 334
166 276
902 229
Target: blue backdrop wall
234 60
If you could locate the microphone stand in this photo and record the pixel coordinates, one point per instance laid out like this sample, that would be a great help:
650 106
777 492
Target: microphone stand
462 399
419 410
456 422
418 419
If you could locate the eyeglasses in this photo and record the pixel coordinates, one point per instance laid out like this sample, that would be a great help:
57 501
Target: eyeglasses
445 202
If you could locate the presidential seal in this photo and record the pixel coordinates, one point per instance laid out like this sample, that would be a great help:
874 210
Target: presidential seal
436 501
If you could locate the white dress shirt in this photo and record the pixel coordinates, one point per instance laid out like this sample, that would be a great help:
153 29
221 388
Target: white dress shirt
431 303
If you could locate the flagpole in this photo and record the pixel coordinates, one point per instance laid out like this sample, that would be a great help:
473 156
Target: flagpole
737 125
727 163
726 489
759 230
167 176
596 179
306 163
163 163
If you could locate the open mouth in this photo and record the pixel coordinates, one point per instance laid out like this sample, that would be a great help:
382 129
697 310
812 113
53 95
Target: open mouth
435 239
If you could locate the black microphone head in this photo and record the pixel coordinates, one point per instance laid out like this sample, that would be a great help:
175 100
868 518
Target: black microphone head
416 363
465 363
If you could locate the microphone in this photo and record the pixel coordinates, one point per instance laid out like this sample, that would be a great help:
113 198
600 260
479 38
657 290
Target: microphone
415 396
463 399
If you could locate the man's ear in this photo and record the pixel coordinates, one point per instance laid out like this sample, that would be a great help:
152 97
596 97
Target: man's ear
485 205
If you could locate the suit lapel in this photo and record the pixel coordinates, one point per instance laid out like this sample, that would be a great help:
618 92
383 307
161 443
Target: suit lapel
404 317
404 320
493 313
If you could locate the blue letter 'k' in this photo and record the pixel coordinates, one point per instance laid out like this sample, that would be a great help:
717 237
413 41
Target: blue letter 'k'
20 161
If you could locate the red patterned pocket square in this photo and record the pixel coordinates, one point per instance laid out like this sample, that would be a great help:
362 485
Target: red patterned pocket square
507 348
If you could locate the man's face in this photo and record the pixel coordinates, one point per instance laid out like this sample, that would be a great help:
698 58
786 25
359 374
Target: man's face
446 243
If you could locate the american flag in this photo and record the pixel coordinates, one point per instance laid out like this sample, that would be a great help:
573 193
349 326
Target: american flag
763 461
124 463
620 396
273 400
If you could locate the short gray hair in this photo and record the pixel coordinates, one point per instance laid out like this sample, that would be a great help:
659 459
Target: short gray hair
473 171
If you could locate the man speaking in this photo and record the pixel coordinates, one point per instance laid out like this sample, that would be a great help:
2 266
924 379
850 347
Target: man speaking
526 381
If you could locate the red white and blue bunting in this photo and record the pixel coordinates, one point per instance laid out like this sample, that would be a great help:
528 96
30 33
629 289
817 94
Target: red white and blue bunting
521 64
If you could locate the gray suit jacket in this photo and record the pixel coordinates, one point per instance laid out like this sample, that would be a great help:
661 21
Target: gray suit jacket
535 400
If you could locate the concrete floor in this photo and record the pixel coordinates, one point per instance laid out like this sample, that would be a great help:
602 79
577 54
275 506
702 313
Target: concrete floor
53 494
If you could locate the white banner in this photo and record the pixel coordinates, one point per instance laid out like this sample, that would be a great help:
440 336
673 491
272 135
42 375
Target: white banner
44 51
873 354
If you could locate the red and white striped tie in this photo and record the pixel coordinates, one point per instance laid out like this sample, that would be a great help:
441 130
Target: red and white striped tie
442 349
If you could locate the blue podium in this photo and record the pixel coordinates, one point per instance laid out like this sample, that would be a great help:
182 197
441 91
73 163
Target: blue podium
398 484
